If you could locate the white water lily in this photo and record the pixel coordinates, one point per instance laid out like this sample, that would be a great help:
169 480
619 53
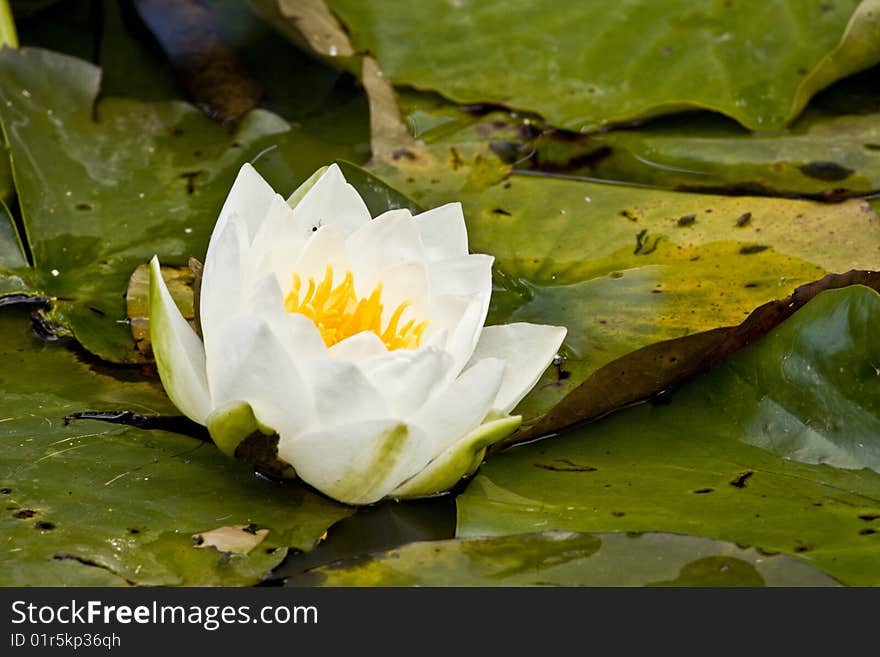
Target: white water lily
358 341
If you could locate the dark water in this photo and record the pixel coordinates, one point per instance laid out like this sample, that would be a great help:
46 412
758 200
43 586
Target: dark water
381 527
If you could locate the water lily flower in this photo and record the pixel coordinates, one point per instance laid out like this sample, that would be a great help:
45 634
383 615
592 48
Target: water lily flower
357 342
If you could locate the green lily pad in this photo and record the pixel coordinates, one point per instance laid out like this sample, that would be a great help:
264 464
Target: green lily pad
830 153
557 558
99 197
585 65
623 267
150 496
682 465
11 256
7 187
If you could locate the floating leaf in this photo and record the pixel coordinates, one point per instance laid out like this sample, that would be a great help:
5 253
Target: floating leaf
7 186
584 65
11 256
831 152
653 369
689 463
557 558
145 493
618 265
99 197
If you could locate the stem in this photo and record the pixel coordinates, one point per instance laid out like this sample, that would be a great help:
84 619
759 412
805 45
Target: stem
8 35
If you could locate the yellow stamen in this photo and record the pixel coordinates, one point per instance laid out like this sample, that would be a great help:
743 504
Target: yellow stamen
339 313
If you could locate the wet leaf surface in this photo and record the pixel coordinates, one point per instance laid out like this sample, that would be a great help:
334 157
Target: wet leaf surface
775 449
740 454
617 266
558 558
7 187
657 367
99 197
144 493
824 157
11 255
708 56
830 153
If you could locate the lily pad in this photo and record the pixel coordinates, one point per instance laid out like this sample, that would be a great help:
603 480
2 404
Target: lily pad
7 187
146 493
623 267
585 65
829 153
680 465
557 558
651 370
11 256
101 196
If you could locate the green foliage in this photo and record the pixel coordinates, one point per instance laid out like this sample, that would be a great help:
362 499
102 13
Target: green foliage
602 63
760 472
88 503
623 267
689 462
102 189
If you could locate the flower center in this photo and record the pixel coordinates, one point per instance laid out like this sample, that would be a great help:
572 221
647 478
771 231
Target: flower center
339 313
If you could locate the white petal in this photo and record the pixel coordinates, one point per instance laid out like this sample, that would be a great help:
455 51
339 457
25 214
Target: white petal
297 333
526 349
462 276
280 241
357 463
221 291
358 347
180 356
389 239
326 247
443 231
342 392
461 289
464 336
407 378
405 282
460 408
249 199
252 365
333 202
459 460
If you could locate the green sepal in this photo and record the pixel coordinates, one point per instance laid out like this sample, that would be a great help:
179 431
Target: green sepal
230 424
460 460
298 194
